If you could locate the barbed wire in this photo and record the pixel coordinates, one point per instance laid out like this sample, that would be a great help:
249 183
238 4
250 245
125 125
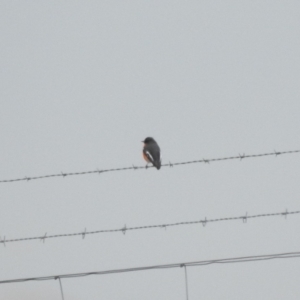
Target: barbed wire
207 161
166 266
125 228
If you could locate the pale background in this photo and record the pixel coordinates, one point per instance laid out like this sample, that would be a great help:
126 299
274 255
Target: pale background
83 82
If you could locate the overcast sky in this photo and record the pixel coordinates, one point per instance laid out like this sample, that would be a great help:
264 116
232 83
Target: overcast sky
82 83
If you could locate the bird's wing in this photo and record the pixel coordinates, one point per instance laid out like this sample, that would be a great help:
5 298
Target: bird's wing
149 156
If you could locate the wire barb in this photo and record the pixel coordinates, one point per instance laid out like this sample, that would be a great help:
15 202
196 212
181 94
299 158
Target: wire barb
245 218
206 161
84 233
285 213
3 241
43 237
276 153
124 229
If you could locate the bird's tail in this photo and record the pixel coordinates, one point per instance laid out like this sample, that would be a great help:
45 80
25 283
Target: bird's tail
157 164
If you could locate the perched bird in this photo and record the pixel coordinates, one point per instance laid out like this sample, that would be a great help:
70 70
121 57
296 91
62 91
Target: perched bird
151 152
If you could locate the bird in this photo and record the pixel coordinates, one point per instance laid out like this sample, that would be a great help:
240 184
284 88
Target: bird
151 152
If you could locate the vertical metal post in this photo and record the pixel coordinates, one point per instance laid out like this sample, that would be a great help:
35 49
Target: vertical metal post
186 283
61 289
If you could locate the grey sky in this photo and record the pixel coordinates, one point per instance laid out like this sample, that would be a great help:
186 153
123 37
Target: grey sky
83 82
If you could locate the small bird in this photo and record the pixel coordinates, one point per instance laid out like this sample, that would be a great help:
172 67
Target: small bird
151 152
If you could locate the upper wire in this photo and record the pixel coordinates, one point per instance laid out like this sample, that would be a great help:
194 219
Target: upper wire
63 174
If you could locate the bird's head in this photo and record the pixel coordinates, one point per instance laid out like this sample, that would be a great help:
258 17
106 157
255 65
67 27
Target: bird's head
148 140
